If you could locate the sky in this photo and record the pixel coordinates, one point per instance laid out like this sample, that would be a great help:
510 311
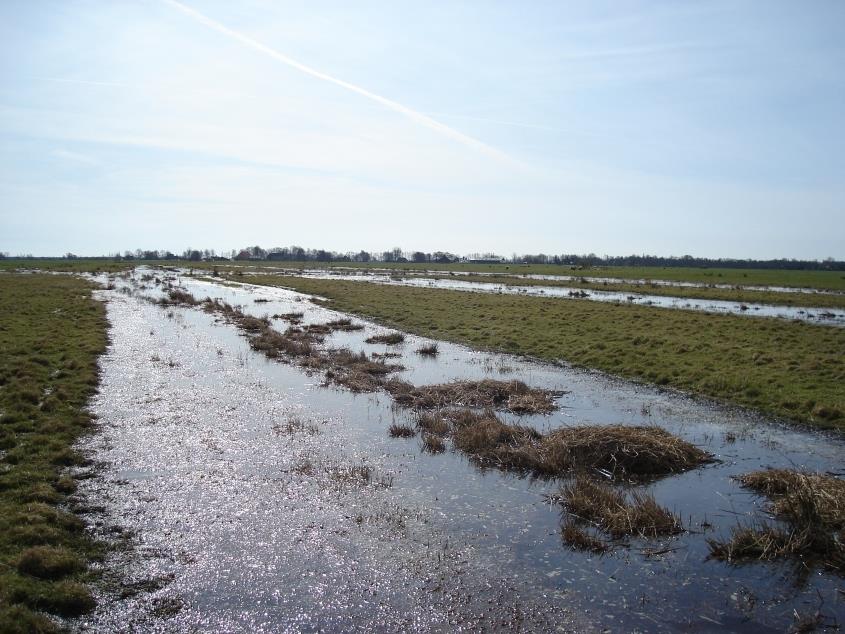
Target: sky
709 128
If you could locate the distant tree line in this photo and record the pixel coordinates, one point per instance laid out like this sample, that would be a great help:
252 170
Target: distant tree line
398 256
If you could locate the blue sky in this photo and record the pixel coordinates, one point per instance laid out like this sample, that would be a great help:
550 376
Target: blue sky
708 128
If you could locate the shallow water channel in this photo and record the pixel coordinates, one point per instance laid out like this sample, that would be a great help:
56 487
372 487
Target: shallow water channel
825 316
229 476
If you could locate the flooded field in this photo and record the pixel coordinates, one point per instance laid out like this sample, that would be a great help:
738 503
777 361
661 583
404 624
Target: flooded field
826 316
579 278
256 498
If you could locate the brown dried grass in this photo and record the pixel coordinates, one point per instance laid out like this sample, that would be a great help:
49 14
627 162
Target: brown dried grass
811 505
613 512
390 339
620 450
433 444
514 396
433 423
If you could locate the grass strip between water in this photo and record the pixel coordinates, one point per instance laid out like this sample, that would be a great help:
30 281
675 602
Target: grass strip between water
692 293
788 369
51 333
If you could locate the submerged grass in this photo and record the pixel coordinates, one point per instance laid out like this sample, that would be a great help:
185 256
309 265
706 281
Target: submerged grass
789 369
51 333
812 508
615 513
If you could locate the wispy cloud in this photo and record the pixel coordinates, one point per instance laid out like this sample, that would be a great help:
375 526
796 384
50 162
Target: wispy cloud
412 114
74 157
86 82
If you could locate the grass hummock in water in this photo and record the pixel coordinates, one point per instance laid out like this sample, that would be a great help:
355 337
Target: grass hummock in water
514 396
617 451
615 513
811 508
390 339
397 430
428 350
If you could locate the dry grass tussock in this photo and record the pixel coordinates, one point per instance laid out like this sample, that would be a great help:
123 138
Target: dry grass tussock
812 507
428 350
177 296
514 396
401 431
617 451
615 513
390 339
621 451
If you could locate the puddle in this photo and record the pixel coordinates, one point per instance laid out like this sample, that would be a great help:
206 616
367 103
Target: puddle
259 524
825 316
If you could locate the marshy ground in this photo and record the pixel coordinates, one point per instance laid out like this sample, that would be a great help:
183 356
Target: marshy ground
445 490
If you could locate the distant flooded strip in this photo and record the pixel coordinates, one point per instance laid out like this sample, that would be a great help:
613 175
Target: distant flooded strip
825 316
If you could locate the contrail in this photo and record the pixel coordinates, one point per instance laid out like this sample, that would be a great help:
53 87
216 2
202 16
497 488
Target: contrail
418 117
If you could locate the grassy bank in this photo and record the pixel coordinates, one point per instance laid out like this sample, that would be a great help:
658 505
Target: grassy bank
80 265
51 333
788 369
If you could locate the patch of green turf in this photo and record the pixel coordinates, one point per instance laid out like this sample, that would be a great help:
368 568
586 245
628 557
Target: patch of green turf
789 369
51 333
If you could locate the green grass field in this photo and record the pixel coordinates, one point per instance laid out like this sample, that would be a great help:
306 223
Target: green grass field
787 369
51 333
81 265
822 280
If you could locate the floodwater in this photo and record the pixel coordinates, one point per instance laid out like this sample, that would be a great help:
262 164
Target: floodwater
825 316
228 474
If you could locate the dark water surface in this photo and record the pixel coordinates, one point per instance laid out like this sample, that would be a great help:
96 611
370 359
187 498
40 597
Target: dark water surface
229 474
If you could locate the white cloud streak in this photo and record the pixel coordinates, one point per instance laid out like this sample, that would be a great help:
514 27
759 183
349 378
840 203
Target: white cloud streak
410 113
86 82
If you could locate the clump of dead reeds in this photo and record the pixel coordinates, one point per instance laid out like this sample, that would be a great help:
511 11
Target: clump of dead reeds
514 396
432 443
360 361
433 423
428 350
177 296
356 372
617 451
397 430
353 380
811 505
492 442
295 317
620 450
252 324
275 344
344 324
616 513
390 339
